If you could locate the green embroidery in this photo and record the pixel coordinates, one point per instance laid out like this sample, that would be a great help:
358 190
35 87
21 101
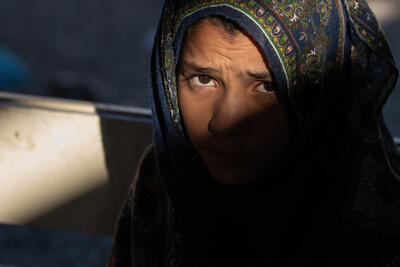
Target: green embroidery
269 20
251 4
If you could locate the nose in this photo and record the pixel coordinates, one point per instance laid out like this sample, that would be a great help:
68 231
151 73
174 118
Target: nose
231 115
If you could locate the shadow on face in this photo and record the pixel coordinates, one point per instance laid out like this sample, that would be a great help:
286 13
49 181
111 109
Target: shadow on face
227 99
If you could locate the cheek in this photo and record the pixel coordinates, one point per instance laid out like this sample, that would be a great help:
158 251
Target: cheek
273 126
195 112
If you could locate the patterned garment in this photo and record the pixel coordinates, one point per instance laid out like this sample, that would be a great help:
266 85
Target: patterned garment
335 70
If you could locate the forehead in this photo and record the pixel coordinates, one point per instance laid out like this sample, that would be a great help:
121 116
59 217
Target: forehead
228 28
206 41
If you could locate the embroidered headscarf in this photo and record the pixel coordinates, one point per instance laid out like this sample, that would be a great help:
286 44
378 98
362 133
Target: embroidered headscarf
334 70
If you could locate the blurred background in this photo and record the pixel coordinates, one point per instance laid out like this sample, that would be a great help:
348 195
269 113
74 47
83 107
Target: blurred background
97 50
92 50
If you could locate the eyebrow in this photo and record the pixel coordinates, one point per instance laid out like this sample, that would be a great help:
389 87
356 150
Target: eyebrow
195 68
263 75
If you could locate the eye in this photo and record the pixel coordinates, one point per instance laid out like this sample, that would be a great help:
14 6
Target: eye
203 80
265 87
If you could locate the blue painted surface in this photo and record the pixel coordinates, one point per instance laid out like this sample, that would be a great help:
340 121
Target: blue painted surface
13 71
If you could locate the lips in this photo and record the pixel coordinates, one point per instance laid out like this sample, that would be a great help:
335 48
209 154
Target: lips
227 154
223 160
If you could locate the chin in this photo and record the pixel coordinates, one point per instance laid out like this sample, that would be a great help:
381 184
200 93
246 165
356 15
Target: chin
231 177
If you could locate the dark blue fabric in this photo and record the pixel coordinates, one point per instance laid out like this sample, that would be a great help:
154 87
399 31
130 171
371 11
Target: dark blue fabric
327 95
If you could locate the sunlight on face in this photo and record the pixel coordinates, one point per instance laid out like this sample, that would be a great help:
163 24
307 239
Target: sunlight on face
230 111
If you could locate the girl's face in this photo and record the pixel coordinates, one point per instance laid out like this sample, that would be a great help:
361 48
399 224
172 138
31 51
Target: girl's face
231 113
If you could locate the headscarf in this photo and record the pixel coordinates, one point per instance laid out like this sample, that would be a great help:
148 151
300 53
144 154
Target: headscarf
334 71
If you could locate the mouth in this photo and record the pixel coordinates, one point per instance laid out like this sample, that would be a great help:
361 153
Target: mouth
226 154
